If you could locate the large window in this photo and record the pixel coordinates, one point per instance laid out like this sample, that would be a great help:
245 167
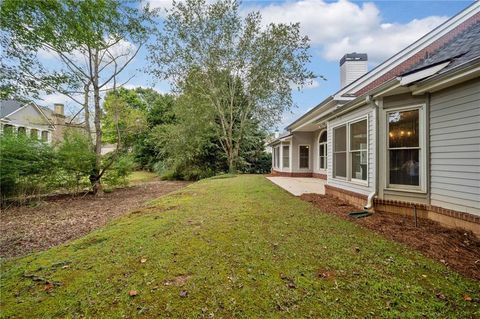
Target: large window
322 151
404 147
304 152
340 151
286 156
358 150
350 151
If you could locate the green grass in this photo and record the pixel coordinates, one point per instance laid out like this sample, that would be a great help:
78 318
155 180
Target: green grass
249 249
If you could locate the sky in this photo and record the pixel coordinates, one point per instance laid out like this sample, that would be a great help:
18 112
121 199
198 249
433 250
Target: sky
378 28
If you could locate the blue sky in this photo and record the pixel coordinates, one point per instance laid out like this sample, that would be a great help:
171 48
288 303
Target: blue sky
378 28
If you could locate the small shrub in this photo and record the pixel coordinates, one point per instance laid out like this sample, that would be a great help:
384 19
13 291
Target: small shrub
27 166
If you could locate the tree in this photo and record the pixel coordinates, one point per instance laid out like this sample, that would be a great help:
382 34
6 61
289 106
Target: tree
123 120
93 40
244 70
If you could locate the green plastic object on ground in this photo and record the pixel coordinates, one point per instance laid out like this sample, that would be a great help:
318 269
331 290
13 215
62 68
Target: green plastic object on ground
361 214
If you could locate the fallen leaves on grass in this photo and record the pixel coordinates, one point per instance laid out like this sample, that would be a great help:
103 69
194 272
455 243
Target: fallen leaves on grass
178 281
132 293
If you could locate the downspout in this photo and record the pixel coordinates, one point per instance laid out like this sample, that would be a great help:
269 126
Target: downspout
371 196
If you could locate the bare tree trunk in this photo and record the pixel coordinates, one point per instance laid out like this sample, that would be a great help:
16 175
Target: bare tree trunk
88 129
97 186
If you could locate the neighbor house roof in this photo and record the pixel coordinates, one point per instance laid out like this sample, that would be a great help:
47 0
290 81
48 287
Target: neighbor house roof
9 106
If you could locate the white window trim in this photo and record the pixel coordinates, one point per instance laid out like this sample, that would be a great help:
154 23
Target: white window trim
349 178
422 188
323 169
309 156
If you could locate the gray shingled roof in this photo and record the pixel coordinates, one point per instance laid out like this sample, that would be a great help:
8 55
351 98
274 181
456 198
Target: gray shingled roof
462 48
8 106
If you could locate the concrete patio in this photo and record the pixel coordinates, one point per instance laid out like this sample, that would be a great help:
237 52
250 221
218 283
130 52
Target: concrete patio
300 185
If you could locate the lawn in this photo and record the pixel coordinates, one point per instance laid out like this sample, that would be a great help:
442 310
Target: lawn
229 248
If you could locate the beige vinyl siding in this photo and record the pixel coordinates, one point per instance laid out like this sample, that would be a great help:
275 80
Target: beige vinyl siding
455 147
353 186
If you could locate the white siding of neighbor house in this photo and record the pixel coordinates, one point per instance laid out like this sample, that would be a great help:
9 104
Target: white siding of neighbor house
29 117
350 185
455 147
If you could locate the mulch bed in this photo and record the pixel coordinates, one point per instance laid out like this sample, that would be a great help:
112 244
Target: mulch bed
456 248
57 219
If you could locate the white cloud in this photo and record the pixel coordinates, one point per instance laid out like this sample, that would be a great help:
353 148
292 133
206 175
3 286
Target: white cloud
342 27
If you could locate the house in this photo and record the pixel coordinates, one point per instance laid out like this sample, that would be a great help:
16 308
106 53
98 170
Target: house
33 120
403 137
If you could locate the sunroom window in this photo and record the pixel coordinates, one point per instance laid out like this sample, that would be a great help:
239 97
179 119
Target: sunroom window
358 150
276 157
286 156
350 151
322 151
340 151
404 147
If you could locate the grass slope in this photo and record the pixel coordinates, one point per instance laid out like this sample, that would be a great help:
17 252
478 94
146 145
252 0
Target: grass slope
237 247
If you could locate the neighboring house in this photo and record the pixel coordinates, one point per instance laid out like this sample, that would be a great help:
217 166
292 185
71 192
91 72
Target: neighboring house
34 121
407 133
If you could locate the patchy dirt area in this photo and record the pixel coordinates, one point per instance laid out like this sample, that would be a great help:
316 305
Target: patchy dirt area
56 220
456 248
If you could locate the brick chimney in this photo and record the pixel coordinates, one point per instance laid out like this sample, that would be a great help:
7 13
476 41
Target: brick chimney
59 109
352 66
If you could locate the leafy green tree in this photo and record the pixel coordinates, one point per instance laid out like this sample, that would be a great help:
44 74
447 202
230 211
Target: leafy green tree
123 120
76 160
93 40
244 70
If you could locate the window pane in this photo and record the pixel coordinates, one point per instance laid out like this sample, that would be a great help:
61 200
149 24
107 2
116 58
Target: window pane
359 165
358 135
44 136
322 149
340 165
286 156
304 153
404 167
323 137
322 162
277 157
22 131
340 139
403 129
